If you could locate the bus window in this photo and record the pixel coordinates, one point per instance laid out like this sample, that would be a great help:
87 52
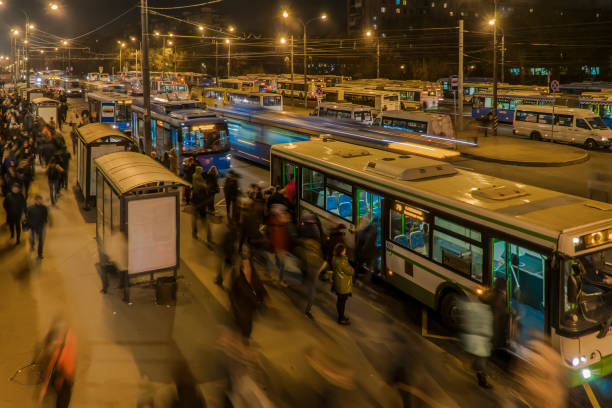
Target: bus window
331 96
564 120
339 199
122 113
312 187
457 248
581 123
407 230
271 100
545 118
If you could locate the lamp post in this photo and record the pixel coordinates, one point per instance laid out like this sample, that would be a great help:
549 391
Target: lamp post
146 76
229 56
283 41
136 52
322 17
494 23
15 33
121 47
368 35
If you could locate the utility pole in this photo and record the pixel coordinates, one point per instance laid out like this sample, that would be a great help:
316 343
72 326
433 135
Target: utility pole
305 71
146 75
27 49
216 60
377 58
460 88
229 57
292 70
503 54
495 68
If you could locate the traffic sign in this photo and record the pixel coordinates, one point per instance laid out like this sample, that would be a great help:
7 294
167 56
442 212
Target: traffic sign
554 85
454 82
319 91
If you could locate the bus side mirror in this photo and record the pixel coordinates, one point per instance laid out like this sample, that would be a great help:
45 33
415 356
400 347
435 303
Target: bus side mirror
574 284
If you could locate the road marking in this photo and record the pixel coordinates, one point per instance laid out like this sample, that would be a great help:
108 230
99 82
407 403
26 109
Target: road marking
464 168
589 393
425 333
220 201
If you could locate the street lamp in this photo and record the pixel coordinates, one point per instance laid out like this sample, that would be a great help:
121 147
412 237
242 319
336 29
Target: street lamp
283 41
53 6
369 34
201 28
322 17
121 47
229 56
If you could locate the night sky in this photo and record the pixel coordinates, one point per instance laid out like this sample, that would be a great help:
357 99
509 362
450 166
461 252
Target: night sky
80 16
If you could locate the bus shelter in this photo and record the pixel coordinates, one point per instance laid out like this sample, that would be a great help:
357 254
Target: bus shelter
33 93
45 109
95 140
137 217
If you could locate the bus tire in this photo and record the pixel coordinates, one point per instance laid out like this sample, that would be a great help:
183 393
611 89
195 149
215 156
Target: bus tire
449 310
590 144
535 136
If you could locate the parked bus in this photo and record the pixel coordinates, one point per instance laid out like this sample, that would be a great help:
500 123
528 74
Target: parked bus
429 125
446 235
378 100
345 111
412 98
187 128
239 84
600 104
296 88
482 104
270 101
562 124
111 108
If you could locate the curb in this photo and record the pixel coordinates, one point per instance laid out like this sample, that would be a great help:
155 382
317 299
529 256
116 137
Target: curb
579 160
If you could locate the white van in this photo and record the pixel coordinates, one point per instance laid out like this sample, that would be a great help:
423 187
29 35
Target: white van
562 124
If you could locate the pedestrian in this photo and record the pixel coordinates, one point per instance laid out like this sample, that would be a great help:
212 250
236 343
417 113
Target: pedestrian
310 253
173 165
188 170
62 112
188 394
15 207
278 237
200 204
495 297
246 295
343 281
228 252
336 236
366 248
36 217
477 332
166 160
64 157
212 185
231 191
54 175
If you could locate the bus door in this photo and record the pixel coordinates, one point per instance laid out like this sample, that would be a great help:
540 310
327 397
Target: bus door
289 180
524 271
369 215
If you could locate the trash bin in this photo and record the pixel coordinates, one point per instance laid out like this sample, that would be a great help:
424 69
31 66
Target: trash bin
165 291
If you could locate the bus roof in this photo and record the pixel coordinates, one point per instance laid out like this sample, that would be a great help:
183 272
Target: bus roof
345 105
109 96
539 213
414 115
360 91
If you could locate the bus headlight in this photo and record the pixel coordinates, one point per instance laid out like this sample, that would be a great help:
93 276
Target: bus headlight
586 373
575 362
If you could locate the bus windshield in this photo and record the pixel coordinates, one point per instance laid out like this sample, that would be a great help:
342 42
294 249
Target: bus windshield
588 291
208 137
596 123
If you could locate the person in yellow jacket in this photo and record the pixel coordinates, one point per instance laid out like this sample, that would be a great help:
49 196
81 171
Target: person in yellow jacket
343 281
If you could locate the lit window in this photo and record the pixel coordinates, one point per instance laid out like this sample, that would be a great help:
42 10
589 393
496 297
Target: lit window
383 9
383 35
445 5
397 2
433 4
451 13
375 26
531 10
404 2
374 18
397 11
462 14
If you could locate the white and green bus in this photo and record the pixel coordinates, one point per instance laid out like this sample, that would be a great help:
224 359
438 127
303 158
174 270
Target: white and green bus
446 234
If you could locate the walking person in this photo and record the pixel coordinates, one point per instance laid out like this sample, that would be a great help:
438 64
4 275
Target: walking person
37 217
310 253
212 186
343 281
54 175
477 332
229 245
246 295
15 207
188 170
231 191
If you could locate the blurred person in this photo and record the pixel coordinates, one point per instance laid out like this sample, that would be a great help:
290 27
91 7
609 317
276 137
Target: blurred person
495 297
37 217
188 395
166 160
366 250
231 191
54 176
199 202
246 295
310 253
188 170
278 237
211 177
173 161
62 112
15 207
343 281
228 252
336 236
58 359
477 332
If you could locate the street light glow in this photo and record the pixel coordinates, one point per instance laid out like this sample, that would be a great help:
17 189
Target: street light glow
170 43
31 26
201 28
65 42
227 41
283 40
492 21
285 14
157 33
122 45
323 16
171 35
231 29
368 33
53 6
133 38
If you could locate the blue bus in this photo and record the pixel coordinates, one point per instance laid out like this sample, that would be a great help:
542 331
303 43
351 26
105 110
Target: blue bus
482 104
111 108
254 130
186 127
601 105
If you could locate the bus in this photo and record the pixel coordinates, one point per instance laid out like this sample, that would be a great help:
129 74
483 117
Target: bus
71 87
187 128
169 89
482 104
345 111
111 108
378 100
600 104
577 88
562 124
239 84
298 89
445 235
412 98
270 101
430 125
254 130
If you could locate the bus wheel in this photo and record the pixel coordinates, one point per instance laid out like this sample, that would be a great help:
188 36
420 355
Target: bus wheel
449 310
535 136
590 144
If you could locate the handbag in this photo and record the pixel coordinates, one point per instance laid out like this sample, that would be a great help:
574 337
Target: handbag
25 225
